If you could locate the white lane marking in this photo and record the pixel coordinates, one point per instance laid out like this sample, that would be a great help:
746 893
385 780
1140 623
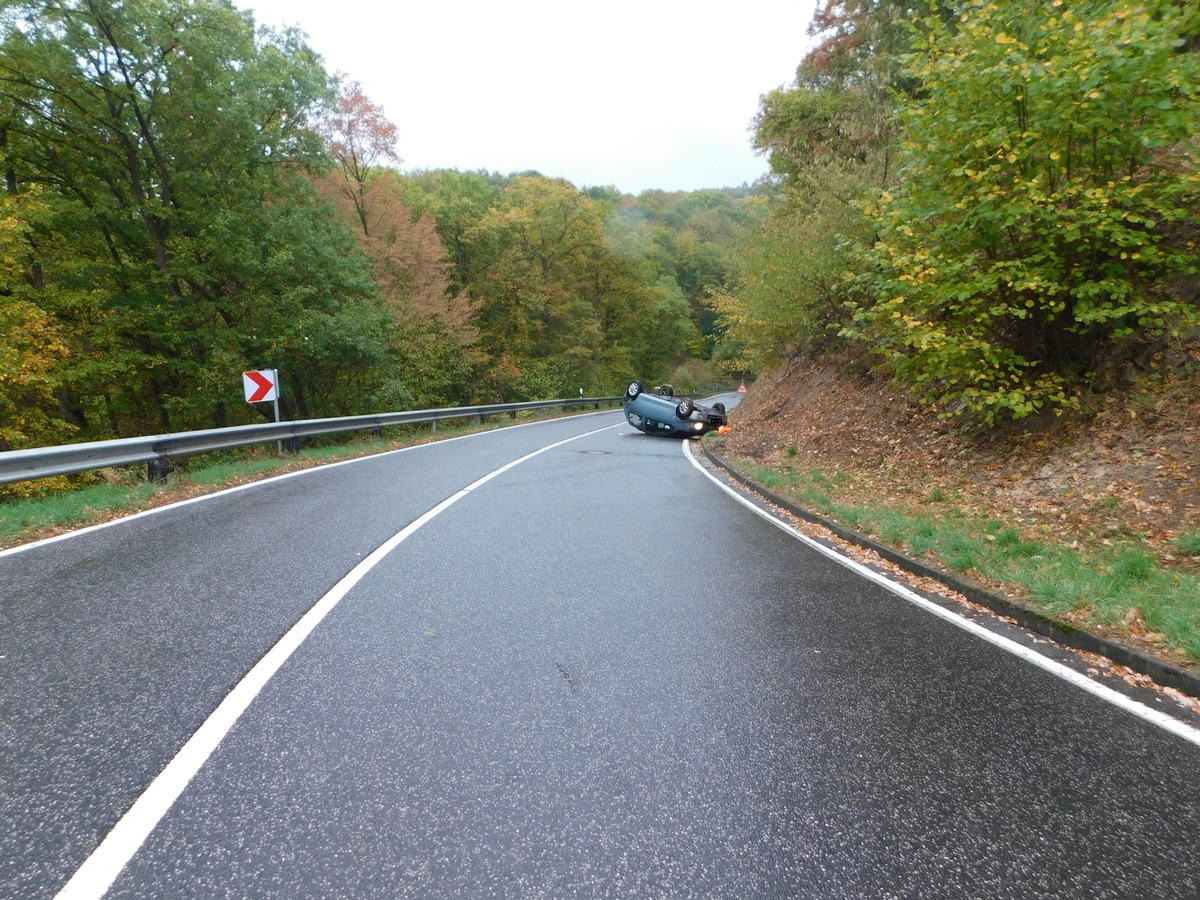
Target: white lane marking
11 551
1067 674
98 872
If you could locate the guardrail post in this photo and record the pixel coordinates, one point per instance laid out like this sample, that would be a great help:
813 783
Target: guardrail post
157 471
433 426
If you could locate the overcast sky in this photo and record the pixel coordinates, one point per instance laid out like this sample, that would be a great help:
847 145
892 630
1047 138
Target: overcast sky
633 93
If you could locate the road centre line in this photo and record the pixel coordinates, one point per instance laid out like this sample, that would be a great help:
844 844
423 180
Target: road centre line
1053 667
103 866
67 535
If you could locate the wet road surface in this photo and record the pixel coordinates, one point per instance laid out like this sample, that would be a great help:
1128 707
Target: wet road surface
594 675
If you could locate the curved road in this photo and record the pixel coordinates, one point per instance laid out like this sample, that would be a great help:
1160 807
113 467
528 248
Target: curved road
591 674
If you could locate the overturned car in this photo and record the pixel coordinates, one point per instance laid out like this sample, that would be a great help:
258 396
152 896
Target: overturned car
660 412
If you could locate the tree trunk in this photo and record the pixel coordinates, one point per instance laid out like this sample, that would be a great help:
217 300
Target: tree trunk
68 410
301 403
164 417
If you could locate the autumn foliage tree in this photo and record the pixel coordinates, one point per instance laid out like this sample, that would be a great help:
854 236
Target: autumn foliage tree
180 243
828 138
187 197
360 139
530 310
432 341
1050 175
568 294
988 196
30 345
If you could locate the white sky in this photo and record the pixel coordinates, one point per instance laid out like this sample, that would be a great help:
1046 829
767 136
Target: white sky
633 93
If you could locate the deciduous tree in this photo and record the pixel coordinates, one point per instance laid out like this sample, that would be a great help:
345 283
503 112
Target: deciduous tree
30 345
433 334
168 141
1049 156
361 139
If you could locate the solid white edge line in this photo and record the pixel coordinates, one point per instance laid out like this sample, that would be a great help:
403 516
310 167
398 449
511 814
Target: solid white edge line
103 866
1067 674
77 532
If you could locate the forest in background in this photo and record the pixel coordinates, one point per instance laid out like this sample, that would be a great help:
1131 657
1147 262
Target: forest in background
995 202
188 197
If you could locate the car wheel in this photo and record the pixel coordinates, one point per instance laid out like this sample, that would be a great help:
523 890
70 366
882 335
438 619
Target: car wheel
666 391
719 407
635 388
685 408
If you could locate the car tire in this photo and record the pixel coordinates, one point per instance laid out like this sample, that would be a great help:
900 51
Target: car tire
634 389
685 408
666 391
719 407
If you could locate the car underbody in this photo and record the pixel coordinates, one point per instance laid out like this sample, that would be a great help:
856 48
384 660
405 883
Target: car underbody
660 412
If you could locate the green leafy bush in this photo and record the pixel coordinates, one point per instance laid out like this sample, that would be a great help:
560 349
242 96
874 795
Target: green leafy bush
1049 154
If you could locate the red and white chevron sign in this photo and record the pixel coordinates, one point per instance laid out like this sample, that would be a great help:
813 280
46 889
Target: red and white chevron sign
261 386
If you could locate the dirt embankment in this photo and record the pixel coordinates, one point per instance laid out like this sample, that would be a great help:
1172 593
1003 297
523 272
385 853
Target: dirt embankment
1126 470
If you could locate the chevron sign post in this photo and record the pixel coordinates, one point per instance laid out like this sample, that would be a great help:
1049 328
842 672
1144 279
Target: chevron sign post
263 387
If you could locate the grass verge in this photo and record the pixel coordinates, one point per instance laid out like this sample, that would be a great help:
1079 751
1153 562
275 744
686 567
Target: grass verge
123 491
1110 588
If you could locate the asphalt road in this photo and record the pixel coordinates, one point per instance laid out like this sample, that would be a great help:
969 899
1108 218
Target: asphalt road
593 675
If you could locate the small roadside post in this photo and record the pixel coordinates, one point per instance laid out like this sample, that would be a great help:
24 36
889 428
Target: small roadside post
263 386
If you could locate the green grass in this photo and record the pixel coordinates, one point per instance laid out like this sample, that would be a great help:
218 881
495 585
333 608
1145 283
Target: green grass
83 507
1188 543
1102 583
127 493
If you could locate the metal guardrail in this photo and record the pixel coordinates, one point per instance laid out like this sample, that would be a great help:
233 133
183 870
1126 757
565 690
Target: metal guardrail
159 449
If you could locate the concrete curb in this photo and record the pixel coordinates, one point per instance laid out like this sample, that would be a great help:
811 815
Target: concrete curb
1163 673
